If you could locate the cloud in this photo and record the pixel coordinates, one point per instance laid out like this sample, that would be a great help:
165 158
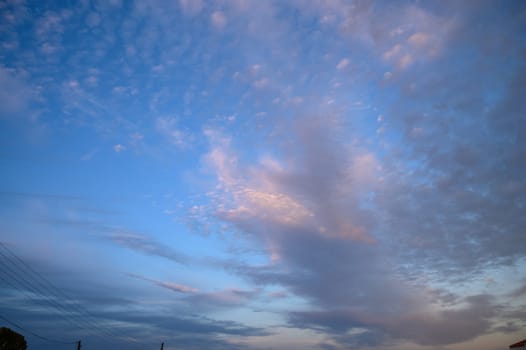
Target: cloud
118 148
89 155
146 245
453 197
431 328
300 216
226 298
218 19
261 83
188 325
137 327
419 39
179 288
41 195
344 62
519 291
300 196
15 101
205 301
392 52
338 224
49 32
191 7
277 294
403 36
93 19
167 126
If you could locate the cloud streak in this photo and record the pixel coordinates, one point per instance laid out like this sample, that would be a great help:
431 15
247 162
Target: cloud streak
146 245
179 288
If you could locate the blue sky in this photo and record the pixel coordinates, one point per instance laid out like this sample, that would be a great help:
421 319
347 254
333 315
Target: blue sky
321 174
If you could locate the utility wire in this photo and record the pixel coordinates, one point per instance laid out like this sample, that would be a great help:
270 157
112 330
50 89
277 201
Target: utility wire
87 321
33 291
49 289
16 325
45 288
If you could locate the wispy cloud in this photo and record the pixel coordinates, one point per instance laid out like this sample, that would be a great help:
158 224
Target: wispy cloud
168 127
180 288
218 19
442 328
519 292
146 245
118 148
14 101
344 62
228 298
190 7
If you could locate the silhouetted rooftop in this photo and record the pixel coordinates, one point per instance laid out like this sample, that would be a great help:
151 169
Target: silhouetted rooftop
520 344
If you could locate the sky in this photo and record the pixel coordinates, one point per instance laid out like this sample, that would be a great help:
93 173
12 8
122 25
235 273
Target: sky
259 175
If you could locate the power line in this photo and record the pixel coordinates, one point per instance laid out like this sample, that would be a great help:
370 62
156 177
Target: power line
44 288
16 325
29 287
49 289
82 319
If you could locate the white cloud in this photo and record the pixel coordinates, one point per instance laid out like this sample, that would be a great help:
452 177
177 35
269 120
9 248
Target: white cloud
221 160
257 196
343 63
119 148
273 206
218 19
392 52
399 55
168 126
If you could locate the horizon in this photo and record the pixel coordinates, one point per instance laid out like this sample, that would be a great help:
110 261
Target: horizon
263 175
